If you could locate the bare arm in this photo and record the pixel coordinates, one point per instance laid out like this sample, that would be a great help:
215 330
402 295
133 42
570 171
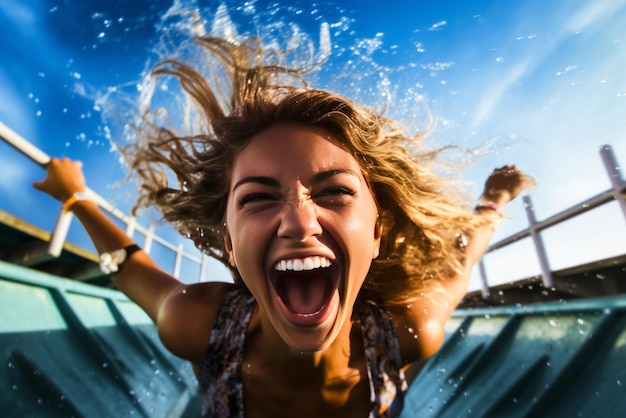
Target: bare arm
421 324
183 313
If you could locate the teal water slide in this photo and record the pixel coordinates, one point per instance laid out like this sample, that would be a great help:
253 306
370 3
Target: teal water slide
76 350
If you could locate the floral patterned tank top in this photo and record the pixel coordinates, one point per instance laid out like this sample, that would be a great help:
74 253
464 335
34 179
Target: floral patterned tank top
220 374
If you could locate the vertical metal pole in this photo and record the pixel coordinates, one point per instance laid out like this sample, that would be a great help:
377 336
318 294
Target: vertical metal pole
548 280
130 226
147 245
203 267
615 174
179 260
59 233
484 285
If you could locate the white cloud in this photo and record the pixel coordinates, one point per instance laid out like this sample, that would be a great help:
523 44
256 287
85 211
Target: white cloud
494 94
588 16
592 13
21 14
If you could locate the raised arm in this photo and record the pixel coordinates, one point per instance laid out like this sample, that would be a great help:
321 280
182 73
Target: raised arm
184 314
139 277
423 321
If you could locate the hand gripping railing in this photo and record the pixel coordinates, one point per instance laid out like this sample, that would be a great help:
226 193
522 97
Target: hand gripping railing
64 219
616 192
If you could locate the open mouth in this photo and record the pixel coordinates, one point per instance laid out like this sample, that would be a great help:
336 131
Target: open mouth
305 286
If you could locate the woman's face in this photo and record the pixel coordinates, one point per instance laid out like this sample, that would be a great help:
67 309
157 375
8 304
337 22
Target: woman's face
301 230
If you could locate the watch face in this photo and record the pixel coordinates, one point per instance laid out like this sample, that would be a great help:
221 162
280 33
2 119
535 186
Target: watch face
110 261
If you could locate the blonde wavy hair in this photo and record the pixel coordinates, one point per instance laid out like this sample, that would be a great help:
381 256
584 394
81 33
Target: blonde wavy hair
421 213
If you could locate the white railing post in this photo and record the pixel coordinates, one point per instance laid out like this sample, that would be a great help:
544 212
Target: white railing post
203 267
548 281
147 244
484 284
64 219
130 226
615 174
179 260
59 233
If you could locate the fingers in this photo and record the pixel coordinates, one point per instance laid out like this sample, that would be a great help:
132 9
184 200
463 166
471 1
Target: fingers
507 170
509 179
38 185
63 178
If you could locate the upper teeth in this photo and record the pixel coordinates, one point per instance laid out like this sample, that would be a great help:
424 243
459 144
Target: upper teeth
300 264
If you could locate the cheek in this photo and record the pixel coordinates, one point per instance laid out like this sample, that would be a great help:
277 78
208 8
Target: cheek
248 243
361 239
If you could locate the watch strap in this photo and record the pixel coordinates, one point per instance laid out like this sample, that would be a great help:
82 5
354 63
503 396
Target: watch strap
112 261
131 249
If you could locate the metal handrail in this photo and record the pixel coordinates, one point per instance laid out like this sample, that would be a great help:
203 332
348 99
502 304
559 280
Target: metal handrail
616 192
64 219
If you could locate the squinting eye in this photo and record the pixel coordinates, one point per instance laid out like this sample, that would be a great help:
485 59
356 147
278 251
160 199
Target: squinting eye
335 191
333 195
254 197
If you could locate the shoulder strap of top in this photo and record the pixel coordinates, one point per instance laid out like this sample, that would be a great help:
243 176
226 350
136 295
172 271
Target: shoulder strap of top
387 381
219 375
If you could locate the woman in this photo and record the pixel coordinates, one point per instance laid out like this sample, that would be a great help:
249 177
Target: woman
348 252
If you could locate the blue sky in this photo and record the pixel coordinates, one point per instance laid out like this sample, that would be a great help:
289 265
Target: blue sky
537 83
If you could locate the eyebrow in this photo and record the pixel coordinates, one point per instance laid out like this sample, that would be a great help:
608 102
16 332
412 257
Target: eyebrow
272 182
267 181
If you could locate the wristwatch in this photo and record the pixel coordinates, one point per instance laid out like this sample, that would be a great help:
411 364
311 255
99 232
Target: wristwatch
111 261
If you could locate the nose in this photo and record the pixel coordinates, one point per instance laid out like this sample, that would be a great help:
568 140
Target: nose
299 221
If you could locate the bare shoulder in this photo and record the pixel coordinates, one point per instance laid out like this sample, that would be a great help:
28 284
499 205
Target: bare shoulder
420 324
186 318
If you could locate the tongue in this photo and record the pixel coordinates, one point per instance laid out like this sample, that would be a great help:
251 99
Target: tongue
304 295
